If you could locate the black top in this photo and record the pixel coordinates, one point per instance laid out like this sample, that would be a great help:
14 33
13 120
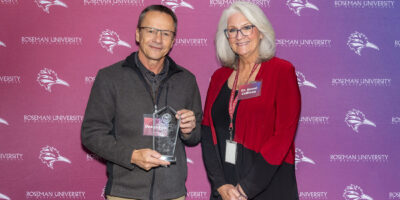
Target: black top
220 114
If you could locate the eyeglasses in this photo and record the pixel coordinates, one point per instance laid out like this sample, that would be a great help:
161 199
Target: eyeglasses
245 31
151 32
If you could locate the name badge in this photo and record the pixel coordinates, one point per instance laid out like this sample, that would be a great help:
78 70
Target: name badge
154 126
250 90
230 152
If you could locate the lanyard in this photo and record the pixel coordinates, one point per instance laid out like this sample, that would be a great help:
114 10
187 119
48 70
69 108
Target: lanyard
234 100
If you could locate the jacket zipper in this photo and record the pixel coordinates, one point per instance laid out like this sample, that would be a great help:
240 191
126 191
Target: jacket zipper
155 103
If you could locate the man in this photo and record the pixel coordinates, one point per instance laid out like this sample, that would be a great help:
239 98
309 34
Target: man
123 97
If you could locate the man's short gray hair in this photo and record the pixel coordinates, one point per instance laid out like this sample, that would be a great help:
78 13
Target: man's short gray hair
257 17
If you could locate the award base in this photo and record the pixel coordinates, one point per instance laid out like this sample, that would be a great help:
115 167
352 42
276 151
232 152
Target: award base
170 159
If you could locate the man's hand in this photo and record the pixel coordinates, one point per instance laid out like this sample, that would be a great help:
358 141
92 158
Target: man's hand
229 192
147 159
188 120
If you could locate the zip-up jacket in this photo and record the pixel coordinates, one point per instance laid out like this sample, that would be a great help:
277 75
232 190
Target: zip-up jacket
113 128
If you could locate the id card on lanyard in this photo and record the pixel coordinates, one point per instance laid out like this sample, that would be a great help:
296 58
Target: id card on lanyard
231 146
230 151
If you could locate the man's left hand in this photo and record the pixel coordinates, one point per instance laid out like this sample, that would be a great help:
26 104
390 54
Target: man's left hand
188 120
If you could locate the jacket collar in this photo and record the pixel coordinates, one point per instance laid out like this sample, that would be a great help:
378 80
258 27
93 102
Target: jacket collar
130 62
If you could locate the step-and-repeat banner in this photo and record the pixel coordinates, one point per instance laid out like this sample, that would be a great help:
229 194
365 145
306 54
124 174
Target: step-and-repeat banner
347 59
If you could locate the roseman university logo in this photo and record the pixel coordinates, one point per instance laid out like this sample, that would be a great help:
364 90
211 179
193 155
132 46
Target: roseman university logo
49 155
2 44
355 118
299 157
301 80
354 192
3 121
47 78
2 196
109 39
297 5
45 4
358 41
174 4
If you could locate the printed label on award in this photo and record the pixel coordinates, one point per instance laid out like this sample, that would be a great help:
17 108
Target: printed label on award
250 90
154 126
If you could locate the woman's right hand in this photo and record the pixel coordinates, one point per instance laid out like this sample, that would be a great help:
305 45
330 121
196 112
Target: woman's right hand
228 192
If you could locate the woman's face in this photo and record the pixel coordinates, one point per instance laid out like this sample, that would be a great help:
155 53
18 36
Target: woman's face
246 46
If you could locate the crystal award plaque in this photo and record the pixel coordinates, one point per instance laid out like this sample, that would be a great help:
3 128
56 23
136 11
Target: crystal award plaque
165 133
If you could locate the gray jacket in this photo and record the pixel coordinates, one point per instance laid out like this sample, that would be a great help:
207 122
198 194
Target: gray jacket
113 127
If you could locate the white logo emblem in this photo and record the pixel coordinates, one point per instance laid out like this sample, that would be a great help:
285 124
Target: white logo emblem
174 4
47 78
103 193
189 160
297 5
49 155
45 4
166 118
2 44
354 192
299 157
301 80
357 41
3 121
355 118
2 196
109 39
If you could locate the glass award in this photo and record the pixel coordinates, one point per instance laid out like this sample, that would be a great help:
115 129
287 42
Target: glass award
165 133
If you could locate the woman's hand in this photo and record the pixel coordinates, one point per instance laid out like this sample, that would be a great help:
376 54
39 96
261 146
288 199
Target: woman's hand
241 192
229 192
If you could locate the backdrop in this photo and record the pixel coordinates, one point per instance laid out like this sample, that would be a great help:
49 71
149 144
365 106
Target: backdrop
346 54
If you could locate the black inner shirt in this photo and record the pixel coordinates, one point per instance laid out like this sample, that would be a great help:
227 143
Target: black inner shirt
221 119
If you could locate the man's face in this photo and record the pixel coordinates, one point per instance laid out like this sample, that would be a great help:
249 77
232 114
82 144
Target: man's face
154 45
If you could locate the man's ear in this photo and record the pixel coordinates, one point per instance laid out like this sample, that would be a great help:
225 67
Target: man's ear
137 35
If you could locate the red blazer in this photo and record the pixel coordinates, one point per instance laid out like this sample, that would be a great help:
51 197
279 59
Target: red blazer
266 124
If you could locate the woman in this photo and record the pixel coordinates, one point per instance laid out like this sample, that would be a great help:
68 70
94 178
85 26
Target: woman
247 144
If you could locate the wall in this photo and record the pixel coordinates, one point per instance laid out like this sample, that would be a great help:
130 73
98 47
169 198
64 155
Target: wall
346 53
